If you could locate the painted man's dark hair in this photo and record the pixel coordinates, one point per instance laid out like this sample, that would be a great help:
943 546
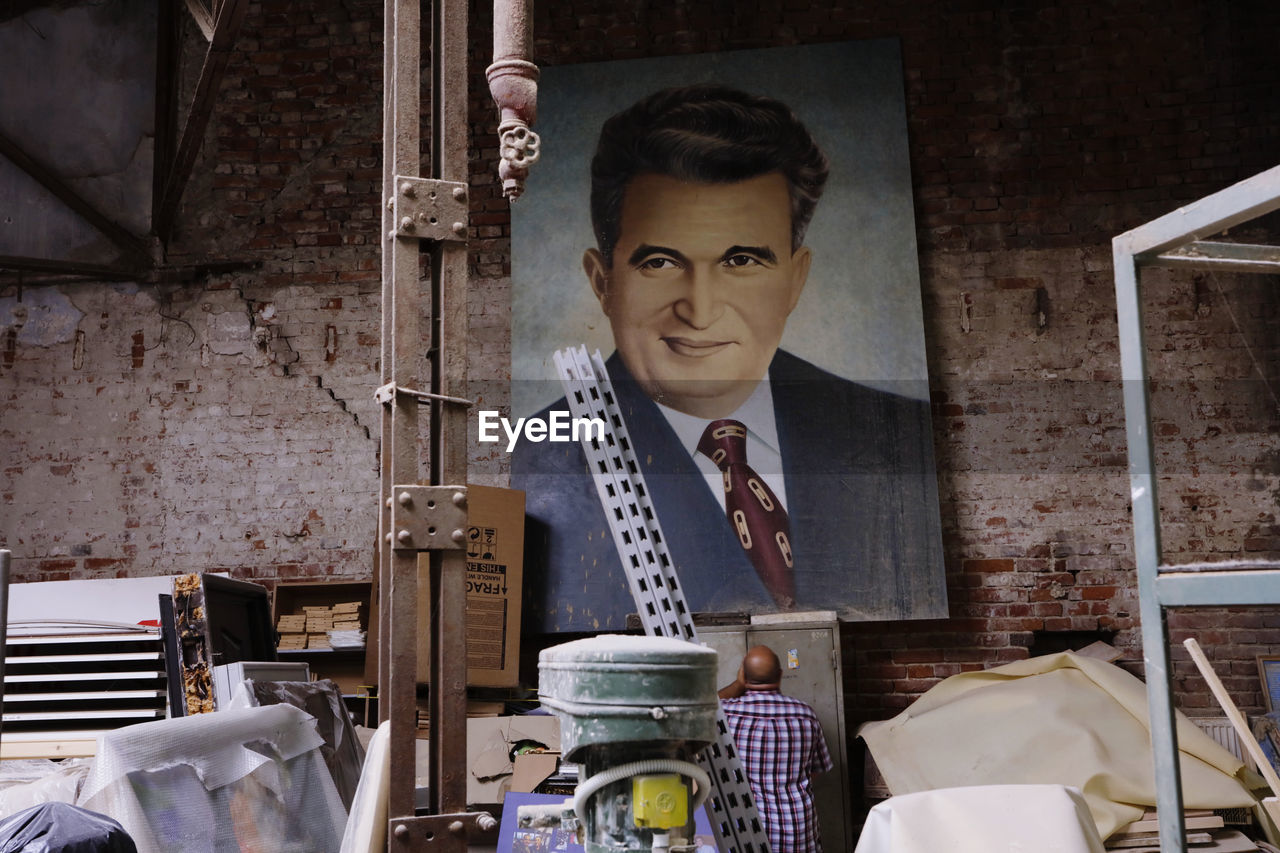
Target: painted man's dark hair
707 134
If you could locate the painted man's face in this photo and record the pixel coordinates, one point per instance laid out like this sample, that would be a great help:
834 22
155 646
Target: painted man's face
701 284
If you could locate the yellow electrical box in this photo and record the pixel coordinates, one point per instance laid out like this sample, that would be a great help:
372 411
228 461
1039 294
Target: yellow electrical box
660 801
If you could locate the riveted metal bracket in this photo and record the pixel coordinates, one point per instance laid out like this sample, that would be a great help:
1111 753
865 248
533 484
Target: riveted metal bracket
439 832
428 517
430 209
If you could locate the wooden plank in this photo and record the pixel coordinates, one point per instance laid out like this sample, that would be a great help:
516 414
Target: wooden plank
203 18
1233 714
168 44
1152 839
1147 826
77 744
230 16
1222 842
54 266
1271 804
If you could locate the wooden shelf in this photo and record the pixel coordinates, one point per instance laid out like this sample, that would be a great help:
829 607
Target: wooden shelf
332 654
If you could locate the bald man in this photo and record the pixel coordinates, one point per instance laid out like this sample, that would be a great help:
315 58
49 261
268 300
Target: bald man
781 746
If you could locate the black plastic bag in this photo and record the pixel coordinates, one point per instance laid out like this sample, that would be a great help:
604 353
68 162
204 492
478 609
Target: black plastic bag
62 828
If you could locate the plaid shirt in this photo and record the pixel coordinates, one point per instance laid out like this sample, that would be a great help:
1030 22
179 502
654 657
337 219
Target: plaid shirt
780 744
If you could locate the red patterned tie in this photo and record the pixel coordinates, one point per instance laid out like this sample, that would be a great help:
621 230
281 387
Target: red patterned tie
754 511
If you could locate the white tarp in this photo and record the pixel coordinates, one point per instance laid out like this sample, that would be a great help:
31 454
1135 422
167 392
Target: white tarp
1057 719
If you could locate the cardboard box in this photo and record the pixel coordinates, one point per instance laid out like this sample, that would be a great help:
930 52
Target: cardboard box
495 569
491 771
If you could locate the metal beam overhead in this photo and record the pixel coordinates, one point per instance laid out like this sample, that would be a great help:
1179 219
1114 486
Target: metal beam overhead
132 245
230 15
76 268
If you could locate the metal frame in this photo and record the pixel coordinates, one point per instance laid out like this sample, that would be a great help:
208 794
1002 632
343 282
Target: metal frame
429 214
1175 240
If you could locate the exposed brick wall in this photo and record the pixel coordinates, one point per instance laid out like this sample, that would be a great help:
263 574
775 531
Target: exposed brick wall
227 422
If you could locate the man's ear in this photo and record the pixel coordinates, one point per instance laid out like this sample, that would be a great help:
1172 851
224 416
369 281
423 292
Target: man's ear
597 276
800 261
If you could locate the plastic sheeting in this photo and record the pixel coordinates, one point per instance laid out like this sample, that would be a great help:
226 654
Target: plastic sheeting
367 826
62 828
982 819
29 782
251 779
1058 719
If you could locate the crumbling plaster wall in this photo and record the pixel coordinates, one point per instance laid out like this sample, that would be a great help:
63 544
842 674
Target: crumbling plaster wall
177 429
227 421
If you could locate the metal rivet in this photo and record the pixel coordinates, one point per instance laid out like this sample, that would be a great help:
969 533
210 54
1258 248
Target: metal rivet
459 498
388 537
391 204
388 503
457 827
459 193
401 831
407 190
457 536
405 537
405 499
406 224
459 228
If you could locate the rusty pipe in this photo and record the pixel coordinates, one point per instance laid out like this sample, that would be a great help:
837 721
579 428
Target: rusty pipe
513 82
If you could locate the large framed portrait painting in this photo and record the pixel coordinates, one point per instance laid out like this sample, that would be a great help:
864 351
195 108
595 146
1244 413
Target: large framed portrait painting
734 233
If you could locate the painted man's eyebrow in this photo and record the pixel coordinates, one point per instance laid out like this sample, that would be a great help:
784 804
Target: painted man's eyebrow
764 253
644 250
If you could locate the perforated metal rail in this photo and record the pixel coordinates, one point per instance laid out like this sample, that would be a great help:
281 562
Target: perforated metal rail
651 575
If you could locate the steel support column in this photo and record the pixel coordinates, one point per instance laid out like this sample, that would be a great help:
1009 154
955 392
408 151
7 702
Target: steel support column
447 598
431 518
398 578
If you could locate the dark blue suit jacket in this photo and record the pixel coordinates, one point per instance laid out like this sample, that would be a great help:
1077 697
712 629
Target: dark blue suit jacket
861 495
